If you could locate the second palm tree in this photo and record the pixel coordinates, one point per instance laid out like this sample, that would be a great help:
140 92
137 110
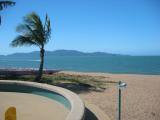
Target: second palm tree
4 4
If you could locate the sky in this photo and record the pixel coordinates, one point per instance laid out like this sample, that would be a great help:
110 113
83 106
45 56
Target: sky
115 26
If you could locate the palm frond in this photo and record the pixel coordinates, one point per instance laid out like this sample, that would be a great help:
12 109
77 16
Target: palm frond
21 28
21 41
27 31
6 3
35 23
47 28
33 32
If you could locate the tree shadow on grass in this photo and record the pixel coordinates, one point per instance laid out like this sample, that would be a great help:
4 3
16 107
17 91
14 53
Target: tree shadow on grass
76 83
79 87
16 77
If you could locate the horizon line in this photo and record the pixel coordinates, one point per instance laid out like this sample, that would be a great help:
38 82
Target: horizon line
78 51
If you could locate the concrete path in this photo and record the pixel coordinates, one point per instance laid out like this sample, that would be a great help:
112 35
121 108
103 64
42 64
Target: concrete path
32 107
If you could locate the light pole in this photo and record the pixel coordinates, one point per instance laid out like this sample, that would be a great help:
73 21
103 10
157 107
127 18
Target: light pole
121 85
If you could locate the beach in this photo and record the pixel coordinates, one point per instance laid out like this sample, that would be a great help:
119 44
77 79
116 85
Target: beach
140 99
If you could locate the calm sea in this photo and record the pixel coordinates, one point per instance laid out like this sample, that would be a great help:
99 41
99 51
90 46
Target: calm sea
111 64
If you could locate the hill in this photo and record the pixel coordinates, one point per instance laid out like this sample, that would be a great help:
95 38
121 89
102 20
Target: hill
35 54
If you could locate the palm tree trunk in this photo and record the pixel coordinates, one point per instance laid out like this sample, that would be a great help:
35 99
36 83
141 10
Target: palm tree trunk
40 71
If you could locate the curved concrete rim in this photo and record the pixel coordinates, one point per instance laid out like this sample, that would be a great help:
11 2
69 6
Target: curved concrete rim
77 106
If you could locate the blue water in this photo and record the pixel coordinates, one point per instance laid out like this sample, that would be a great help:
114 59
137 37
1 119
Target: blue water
111 64
36 91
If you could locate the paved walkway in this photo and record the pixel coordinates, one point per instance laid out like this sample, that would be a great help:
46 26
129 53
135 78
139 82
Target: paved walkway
32 107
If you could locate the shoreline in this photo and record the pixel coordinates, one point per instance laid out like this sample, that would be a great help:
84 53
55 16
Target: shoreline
25 71
32 71
103 73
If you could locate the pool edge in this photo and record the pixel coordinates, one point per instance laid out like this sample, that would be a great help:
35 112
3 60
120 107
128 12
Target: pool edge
77 106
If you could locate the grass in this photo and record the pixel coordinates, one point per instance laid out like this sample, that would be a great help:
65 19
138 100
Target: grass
96 82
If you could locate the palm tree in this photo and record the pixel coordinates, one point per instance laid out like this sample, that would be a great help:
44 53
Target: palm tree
4 4
34 32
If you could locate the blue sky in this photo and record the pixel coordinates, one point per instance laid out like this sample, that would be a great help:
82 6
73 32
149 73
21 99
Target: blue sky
114 26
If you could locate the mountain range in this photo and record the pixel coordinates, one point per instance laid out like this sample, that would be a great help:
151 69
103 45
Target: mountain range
35 54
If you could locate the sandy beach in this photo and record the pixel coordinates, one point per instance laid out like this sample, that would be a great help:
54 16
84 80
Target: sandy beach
140 100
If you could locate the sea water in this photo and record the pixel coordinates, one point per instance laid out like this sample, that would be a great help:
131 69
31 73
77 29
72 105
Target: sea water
109 64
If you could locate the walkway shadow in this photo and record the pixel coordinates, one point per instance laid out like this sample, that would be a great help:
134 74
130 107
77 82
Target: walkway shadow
89 115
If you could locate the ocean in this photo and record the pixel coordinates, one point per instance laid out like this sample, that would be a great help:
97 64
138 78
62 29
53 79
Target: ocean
106 64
